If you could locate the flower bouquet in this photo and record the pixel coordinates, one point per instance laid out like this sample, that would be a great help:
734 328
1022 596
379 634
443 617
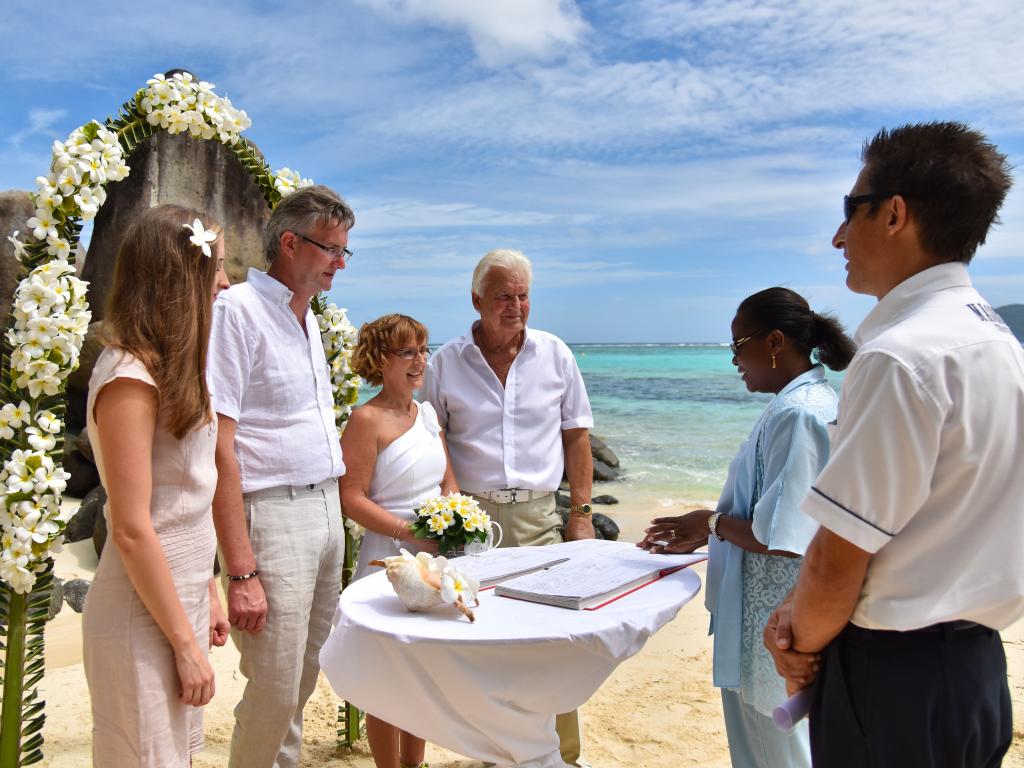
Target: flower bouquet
453 521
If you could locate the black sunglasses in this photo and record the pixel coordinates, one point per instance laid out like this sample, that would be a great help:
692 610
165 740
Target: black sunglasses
850 202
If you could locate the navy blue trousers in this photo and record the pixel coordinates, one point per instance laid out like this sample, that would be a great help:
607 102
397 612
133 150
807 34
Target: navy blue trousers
934 698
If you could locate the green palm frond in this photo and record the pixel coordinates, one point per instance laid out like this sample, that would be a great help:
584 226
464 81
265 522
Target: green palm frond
23 619
258 169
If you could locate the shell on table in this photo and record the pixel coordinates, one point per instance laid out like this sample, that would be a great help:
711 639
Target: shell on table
422 582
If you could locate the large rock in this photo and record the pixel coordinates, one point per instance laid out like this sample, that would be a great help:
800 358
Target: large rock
84 475
78 381
99 534
56 598
15 209
204 175
81 525
599 450
74 594
604 473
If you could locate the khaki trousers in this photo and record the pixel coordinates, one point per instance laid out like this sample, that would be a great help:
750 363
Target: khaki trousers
296 537
531 524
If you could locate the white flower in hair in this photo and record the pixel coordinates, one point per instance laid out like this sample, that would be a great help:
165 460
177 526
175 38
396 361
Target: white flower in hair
201 238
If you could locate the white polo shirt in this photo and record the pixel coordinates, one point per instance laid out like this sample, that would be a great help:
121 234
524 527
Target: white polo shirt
926 470
272 379
511 436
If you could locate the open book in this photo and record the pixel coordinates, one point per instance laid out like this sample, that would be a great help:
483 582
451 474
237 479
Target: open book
497 565
595 572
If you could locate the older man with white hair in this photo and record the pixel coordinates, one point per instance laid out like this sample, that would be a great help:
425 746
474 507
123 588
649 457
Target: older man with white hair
516 413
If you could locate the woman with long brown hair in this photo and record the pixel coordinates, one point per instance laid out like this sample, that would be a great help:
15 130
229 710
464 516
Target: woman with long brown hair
148 615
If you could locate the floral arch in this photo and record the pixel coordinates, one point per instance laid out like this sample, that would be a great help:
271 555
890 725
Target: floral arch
49 321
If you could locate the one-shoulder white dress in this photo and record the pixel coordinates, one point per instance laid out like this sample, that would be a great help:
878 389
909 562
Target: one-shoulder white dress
407 473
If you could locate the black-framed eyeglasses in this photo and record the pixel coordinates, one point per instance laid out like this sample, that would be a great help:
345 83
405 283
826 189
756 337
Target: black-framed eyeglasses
335 253
410 354
850 202
737 343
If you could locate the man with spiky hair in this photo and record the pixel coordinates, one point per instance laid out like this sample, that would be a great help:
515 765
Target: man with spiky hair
919 561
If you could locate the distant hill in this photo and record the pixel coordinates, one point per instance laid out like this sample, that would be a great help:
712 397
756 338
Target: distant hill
1013 316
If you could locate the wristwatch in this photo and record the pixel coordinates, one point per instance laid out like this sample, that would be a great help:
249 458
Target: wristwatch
713 525
584 510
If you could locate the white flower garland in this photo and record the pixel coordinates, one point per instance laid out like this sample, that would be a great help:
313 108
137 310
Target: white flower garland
51 311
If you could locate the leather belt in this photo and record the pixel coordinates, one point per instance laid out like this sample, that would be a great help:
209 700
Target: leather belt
510 495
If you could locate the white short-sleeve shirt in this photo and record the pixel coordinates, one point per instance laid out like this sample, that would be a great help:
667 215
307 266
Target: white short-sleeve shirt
511 436
273 380
926 471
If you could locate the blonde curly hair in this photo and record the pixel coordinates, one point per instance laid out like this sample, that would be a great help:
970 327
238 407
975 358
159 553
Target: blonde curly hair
377 337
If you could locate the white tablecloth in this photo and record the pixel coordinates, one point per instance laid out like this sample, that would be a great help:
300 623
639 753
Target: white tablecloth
488 690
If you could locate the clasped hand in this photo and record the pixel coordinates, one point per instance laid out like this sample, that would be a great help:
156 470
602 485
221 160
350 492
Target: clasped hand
797 668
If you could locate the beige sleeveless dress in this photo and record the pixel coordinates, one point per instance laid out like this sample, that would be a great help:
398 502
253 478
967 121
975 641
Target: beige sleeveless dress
138 718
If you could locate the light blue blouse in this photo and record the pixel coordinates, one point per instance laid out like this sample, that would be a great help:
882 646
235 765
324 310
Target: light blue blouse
767 480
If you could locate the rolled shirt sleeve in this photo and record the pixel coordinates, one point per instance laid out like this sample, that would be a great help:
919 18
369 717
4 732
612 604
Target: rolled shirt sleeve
796 447
576 413
884 450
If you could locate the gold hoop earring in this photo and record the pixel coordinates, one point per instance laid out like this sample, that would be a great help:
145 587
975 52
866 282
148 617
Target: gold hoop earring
773 359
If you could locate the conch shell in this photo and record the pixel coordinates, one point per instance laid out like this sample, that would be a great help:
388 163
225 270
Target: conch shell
423 581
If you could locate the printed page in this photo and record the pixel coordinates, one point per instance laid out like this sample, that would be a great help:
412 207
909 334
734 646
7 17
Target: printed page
495 565
601 571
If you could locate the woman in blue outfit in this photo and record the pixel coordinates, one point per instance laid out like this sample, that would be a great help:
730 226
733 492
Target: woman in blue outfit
758 534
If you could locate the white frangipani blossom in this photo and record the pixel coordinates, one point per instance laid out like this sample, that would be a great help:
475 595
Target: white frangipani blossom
50 313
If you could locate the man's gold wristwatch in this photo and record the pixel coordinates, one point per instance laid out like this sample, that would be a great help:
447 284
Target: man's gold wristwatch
583 510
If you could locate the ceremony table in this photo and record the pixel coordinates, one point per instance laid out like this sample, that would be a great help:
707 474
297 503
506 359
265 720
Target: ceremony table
488 690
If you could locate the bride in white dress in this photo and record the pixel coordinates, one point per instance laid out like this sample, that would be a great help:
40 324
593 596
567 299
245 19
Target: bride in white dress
395 459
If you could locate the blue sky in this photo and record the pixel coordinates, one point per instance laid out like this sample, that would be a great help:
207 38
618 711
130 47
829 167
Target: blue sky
658 160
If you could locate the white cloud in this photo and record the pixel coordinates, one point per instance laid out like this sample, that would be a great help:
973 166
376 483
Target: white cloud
502 31
39 121
414 214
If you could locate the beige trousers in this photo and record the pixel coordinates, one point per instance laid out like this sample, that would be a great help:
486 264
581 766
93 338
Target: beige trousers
296 537
530 524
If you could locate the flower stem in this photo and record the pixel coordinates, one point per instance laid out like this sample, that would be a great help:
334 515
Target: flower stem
14 678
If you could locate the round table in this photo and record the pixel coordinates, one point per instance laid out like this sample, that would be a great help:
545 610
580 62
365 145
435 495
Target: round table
489 690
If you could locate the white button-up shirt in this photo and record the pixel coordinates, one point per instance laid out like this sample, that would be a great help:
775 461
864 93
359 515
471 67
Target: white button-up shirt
511 436
925 470
272 379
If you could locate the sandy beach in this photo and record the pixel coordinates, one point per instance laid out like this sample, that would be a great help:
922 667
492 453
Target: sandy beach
658 709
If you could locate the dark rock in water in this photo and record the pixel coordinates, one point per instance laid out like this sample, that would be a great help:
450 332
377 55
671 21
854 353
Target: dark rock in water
605 527
56 598
84 475
600 451
561 500
604 498
99 534
604 473
81 525
74 593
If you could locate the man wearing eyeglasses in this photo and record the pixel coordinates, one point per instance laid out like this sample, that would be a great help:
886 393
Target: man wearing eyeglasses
919 561
515 412
276 509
